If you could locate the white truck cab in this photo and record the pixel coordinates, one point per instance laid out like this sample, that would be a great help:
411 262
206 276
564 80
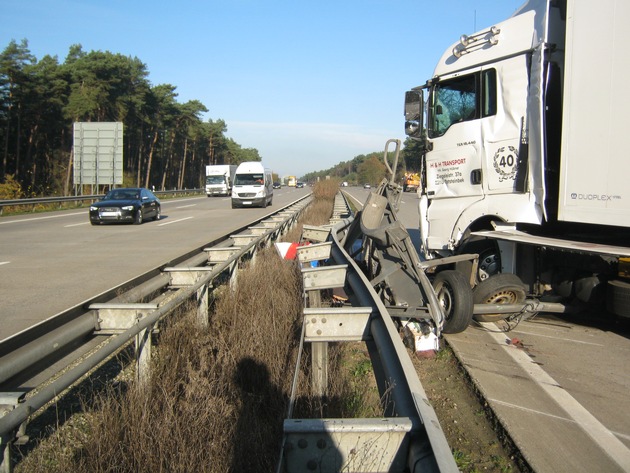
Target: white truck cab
524 130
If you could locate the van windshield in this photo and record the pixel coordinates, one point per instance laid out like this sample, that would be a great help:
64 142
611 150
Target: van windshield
256 179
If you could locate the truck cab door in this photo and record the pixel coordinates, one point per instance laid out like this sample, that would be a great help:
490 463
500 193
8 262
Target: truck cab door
453 165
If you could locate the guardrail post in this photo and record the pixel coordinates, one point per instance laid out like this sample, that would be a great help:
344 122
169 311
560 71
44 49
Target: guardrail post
5 454
143 355
8 401
233 275
182 277
316 279
202 306
319 354
116 318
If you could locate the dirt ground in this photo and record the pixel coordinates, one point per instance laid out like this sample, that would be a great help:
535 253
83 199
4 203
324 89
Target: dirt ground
477 445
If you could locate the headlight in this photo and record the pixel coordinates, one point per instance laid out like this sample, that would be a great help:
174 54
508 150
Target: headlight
93 209
128 207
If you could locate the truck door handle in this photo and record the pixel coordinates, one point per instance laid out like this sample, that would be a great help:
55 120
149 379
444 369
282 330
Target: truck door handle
475 176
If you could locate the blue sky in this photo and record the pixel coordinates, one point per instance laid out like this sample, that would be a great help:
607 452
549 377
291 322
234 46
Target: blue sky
308 84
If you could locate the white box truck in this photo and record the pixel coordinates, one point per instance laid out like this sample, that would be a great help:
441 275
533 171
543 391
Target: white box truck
219 179
524 125
253 185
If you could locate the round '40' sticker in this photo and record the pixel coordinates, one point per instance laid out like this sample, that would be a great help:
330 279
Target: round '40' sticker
506 162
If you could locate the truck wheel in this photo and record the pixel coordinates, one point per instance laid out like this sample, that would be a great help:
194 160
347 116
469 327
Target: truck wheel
502 288
489 259
618 298
455 296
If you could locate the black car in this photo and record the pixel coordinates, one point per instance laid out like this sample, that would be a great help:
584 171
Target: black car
277 185
126 205
299 185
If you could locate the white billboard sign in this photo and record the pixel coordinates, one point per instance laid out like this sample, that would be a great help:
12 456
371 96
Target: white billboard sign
98 153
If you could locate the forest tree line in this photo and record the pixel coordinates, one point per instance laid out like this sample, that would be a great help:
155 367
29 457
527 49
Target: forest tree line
166 143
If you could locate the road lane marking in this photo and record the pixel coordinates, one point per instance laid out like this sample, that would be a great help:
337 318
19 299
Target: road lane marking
4 262
185 206
174 221
546 414
597 431
534 334
76 224
41 218
531 411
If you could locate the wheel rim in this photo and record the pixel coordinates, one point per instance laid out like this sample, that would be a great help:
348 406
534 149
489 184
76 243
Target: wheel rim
503 297
445 299
500 289
489 264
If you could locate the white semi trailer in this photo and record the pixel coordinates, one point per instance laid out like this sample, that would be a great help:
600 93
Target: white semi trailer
526 163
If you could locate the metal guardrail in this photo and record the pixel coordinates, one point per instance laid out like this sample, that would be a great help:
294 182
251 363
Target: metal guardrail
82 198
123 319
409 437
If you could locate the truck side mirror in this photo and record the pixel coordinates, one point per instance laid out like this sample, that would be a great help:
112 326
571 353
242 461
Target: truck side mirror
414 106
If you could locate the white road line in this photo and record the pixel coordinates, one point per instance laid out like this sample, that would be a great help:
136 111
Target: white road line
531 411
546 414
41 218
603 437
174 221
534 334
185 206
4 262
358 202
76 224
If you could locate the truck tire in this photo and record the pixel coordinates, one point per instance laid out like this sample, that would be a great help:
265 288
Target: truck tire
618 298
502 288
489 259
455 296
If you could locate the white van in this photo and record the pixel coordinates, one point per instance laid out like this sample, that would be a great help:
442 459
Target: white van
253 185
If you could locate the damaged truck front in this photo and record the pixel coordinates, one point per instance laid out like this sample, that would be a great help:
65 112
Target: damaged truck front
525 161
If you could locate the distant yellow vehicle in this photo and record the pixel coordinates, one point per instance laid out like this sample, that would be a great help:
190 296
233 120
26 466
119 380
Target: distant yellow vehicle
291 181
411 182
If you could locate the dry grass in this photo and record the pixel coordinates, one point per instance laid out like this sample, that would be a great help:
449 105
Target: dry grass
218 395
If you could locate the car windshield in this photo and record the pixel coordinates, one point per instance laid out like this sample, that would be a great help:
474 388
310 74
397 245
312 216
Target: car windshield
249 179
123 194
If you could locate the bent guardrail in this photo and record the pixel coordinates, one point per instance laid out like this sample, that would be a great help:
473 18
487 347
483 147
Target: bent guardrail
408 437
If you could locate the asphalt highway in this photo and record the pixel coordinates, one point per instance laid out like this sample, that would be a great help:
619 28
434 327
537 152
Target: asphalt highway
52 261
